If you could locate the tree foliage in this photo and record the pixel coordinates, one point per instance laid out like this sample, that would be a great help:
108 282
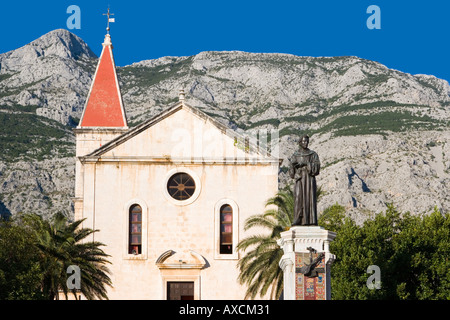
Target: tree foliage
20 271
35 255
28 136
259 268
411 251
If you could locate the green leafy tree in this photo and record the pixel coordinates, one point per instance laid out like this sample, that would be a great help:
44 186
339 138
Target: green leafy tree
421 253
20 271
356 248
411 251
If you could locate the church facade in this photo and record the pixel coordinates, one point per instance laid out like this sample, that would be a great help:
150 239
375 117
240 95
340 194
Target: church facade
169 197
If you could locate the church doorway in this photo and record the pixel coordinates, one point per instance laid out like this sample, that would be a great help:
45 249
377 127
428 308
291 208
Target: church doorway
180 290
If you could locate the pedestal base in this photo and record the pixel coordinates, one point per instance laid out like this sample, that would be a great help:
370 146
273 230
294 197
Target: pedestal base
306 263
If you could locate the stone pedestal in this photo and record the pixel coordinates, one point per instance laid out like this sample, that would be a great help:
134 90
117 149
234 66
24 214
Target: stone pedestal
304 280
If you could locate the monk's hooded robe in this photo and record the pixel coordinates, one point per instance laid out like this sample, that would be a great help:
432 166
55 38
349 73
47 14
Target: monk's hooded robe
305 205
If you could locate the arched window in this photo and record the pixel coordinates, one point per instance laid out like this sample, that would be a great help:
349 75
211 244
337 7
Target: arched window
135 230
226 229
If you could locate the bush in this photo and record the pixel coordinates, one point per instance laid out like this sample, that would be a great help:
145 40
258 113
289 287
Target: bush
411 251
20 273
31 137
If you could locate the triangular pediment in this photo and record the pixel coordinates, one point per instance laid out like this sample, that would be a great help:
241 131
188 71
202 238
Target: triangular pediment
180 133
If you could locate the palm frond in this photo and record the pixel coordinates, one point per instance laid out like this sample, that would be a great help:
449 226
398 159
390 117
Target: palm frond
60 245
259 269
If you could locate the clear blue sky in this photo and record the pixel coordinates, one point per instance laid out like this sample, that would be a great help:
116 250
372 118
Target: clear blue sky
414 35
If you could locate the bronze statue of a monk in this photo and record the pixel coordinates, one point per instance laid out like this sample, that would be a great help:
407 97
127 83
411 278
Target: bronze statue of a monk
304 167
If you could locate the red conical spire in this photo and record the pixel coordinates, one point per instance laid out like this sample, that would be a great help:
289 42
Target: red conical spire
104 106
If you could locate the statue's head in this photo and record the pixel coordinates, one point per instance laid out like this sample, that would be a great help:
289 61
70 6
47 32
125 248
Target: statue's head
304 141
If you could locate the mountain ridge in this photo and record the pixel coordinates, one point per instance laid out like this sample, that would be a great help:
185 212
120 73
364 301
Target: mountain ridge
337 100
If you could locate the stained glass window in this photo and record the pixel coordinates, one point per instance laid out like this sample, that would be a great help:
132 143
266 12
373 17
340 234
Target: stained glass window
181 186
135 239
226 229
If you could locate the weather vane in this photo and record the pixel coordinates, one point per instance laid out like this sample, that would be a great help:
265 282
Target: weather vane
109 19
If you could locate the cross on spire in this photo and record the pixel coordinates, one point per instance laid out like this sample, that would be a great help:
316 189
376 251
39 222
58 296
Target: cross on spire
109 19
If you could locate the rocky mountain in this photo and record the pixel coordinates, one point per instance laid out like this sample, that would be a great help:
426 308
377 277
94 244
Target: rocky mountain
382 134
51 74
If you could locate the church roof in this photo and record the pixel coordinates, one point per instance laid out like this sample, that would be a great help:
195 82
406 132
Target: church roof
104 105
167 113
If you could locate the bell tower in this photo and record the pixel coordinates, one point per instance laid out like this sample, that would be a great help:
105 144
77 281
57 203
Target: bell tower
103 117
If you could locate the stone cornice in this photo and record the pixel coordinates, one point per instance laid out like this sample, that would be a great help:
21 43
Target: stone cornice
173 160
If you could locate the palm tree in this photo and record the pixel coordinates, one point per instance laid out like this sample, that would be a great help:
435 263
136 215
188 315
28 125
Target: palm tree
259 268
61 245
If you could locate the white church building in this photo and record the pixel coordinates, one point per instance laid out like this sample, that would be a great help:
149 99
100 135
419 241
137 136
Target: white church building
169 197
